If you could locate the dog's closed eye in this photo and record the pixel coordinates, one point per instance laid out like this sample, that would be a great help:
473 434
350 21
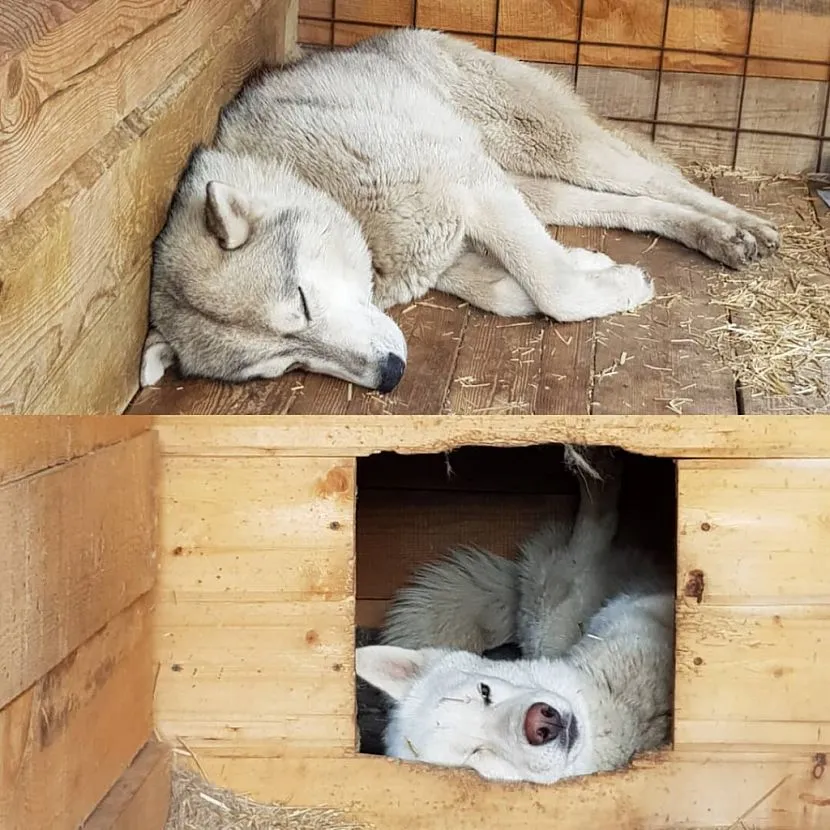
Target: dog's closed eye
484 691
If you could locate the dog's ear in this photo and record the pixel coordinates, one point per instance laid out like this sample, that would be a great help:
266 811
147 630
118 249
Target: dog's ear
229 214
391 669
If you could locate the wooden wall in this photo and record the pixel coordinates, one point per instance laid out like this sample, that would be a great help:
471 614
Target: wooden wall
255 618
100 104
78 562
743 82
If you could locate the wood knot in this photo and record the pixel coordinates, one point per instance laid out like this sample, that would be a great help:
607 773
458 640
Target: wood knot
178 550
820 759
335 526
337 667
312 637
694 585
705 526
14 78
698 661
336 483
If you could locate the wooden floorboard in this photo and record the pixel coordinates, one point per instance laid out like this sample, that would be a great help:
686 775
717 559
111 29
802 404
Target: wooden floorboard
463 361
788 203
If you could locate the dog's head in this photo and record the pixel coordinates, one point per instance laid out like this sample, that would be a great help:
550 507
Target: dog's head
256 273
535 721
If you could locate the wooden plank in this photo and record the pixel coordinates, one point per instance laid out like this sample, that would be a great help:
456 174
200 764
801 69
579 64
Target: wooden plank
80 79
710 27
471 16
99 373
472 469
695 790
750 676
31 444
713 436
433 328
757 530
652 361
753 624
255 614
796 29
787 203
140 799
256 673
529 20
68 738
625 21
397 532
777 153
699 98
568 349
383 12
798 104
78 547
278 527
68 260
25 24
499 366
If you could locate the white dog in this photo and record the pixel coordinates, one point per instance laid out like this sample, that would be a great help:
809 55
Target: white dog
358 179
595 622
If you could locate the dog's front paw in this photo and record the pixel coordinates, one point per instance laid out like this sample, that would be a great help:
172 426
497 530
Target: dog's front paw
586 260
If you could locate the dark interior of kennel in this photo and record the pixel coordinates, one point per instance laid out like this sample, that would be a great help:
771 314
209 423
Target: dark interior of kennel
412 509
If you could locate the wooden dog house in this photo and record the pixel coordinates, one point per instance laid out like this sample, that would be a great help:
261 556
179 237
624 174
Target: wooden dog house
101 102
196 577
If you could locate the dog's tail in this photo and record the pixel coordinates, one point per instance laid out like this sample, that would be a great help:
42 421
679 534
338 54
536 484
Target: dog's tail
466 601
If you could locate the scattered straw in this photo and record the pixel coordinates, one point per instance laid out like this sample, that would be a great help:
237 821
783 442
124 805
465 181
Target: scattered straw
197 805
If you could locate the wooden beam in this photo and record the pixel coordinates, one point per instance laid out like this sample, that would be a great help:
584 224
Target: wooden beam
78 546
140 799
319 435
31 444
663 792
67 739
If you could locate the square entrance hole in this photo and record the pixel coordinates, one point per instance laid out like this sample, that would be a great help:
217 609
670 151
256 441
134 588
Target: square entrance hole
414 509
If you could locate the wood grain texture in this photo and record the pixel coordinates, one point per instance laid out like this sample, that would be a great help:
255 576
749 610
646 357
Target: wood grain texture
399 532
31 444
140 799
711 436
255 615
753 627
78 547
757 529
68 738
652 359
696 790
75 271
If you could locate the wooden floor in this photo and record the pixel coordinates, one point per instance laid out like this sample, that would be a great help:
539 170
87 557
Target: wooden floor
463 361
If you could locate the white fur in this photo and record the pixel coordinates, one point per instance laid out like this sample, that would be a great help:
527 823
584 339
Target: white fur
408 162
594 620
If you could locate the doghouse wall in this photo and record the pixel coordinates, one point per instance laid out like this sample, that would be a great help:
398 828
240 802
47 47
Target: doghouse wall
78 562
101 102
742 83
255 610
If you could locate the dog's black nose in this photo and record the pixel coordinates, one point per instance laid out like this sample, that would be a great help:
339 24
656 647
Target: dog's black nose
391 373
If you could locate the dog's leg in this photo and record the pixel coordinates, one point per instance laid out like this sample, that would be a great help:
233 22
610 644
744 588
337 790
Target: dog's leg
502 223
561 586
534 125
605 162
557 203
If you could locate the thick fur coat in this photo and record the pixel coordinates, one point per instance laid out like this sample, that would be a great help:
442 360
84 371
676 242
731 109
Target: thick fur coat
359 179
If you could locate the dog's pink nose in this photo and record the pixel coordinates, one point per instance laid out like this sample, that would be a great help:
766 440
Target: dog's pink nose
543 724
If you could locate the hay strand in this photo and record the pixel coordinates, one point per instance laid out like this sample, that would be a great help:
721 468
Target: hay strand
198 805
